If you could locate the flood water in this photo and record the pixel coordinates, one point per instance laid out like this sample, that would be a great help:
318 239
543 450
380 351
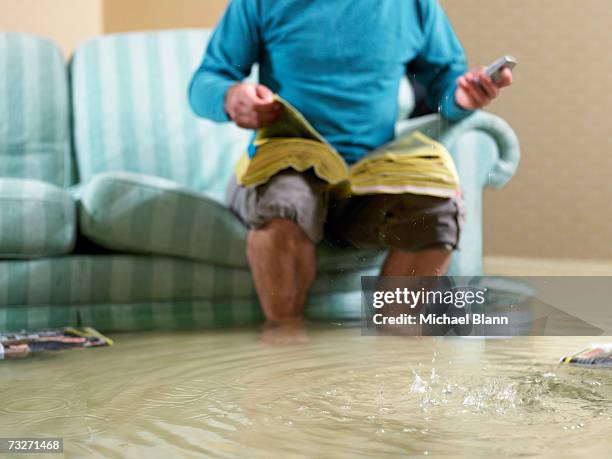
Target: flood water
228 394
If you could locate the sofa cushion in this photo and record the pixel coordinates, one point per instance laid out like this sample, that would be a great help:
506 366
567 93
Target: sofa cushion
36 219
130 212
34 125
170 315
131 111
123 279
194 314
128 292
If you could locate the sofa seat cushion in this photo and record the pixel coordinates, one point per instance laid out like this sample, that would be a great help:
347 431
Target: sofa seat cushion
37 219
130 212
122 279
170 315
135 292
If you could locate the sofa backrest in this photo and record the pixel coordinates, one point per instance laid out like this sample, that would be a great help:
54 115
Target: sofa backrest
34 110
131 111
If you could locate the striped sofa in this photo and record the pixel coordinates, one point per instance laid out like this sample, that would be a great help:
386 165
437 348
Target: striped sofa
111 192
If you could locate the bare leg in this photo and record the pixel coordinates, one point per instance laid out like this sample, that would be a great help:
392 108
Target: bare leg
282 260
430 262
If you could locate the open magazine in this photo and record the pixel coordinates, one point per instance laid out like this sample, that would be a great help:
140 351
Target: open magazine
22 344
412 164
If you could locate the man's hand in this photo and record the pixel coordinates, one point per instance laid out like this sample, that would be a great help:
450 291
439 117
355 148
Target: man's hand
477 90
251 106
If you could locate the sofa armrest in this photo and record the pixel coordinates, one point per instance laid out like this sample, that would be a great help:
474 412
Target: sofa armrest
448 133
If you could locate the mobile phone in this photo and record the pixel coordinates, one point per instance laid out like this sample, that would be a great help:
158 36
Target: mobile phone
494 70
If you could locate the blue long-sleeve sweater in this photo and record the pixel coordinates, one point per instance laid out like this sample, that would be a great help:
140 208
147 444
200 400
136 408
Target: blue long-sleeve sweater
339 62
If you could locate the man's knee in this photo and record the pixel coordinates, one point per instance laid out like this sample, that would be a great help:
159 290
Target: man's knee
404 222
300 198
278 233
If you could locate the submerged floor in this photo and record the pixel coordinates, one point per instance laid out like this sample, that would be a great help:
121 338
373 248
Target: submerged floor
340 394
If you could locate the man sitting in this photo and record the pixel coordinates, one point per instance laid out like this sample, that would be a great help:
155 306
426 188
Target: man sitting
339 63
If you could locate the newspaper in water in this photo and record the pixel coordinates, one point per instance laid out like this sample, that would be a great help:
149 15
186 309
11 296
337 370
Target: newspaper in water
596 355
22 344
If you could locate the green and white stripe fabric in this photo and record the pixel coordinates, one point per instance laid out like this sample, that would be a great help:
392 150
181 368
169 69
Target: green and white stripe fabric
34 110
122 292
131 111
36 219
129 212
171 315
95 279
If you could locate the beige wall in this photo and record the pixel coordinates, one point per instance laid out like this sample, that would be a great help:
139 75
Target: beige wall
68 22
560 204
124 15
71 22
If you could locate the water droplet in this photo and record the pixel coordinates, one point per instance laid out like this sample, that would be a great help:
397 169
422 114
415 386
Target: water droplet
419 385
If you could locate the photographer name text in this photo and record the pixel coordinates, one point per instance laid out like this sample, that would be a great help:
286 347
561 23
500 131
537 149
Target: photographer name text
439 319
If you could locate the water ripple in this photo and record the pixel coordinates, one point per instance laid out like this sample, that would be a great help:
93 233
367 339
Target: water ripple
341 394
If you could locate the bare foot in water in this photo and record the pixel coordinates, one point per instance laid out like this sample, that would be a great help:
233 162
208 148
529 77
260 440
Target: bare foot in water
285 333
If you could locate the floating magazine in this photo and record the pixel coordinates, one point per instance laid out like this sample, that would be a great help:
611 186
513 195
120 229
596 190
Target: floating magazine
596 355
22 344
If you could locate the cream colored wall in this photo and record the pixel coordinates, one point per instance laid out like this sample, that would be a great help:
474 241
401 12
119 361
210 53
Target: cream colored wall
560 203
71 22
68 22
124 15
